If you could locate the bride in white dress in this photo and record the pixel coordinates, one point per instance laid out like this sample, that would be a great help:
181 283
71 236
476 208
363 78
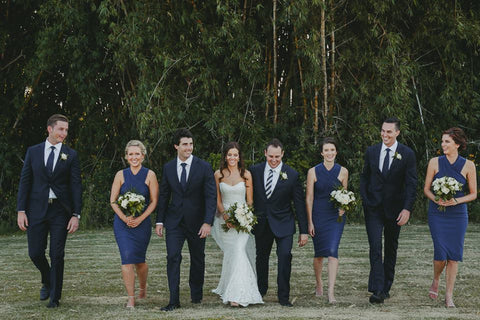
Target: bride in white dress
238 282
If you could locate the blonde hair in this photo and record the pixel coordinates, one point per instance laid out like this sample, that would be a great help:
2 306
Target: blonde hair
135 143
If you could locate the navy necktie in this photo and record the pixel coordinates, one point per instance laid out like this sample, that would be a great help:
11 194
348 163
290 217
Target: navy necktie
386 162
183 176
50 159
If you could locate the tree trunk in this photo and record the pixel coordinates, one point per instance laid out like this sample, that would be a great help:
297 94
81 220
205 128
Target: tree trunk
324 67
275 84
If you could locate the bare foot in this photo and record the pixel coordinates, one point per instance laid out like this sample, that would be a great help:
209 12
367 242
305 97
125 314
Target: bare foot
142 294
433 291
318 291
331 298
131 302
233 304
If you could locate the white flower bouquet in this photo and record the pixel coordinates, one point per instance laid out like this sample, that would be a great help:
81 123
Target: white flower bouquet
343 199
241 217
132 203
445 188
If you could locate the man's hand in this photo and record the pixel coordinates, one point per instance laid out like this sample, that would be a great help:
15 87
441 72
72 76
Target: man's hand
22 220
302 239
159 230
204 230
72 225
403 217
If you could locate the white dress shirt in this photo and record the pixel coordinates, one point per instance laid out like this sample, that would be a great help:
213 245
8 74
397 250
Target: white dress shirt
56 151
383 152
187 167
276 174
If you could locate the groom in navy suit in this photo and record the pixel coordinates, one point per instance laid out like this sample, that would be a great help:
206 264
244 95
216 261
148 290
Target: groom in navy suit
275 187
186 207
388 189
50 201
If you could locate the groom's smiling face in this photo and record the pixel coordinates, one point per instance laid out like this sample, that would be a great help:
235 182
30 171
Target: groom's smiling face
274 156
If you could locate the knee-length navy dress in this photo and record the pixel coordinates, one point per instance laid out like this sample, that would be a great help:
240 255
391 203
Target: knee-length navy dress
133 242
448 227
324 214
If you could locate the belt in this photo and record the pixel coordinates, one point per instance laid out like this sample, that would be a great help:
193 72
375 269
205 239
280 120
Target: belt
51 200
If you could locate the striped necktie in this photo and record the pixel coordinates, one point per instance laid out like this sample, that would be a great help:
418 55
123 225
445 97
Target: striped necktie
268 185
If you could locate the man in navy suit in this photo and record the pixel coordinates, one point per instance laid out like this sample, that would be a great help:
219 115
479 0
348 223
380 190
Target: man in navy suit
275 187
388 189
186 207
50 201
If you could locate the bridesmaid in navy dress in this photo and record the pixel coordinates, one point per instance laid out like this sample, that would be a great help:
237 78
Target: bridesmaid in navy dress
448 227
323 226
133 233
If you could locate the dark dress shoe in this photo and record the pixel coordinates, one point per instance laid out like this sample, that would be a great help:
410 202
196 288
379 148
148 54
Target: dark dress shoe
44 293
197 301
387 295
53 304
171 307
286 304
377 297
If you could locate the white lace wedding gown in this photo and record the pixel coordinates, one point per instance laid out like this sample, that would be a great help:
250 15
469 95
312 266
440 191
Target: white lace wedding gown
238 282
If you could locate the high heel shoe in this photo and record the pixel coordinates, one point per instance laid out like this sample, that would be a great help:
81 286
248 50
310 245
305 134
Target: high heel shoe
449 303
131 302
433 291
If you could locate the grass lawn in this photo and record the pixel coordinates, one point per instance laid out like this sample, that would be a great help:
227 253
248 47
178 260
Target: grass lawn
93 288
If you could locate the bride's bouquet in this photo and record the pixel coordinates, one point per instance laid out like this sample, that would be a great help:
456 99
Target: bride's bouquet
343 199
132 203
241 217
445 188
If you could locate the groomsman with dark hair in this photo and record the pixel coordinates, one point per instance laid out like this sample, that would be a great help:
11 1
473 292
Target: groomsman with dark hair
276 186
49 202
186 208
388 189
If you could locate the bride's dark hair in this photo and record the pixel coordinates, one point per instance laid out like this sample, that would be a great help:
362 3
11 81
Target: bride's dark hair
224 164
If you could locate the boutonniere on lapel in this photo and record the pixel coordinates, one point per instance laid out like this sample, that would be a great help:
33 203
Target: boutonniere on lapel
283 175
397 156
63 156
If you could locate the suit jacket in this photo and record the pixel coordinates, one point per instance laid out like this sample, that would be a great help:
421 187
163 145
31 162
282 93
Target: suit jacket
396 190
278 208
36 181
196 205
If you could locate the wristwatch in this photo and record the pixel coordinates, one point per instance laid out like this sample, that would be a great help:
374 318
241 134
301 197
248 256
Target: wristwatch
76 215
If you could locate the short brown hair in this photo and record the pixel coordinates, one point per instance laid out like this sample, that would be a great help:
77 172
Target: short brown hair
274 143
52 121
328 140
458 136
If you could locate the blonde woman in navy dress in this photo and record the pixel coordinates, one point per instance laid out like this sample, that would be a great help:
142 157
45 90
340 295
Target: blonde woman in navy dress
323 226
448 227
133 233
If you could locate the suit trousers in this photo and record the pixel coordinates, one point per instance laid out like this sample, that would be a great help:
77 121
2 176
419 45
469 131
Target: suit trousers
175 238
381 272
264 243
55 223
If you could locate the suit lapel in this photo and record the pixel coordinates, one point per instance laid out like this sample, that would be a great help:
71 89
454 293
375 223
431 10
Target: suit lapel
279 181
60 162
261 177
193 172
376 159
395 161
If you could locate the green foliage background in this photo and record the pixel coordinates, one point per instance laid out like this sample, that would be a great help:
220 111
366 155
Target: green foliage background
141 69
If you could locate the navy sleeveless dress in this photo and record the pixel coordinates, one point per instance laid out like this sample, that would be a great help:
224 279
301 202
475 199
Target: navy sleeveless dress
133 242
448 227
324 214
